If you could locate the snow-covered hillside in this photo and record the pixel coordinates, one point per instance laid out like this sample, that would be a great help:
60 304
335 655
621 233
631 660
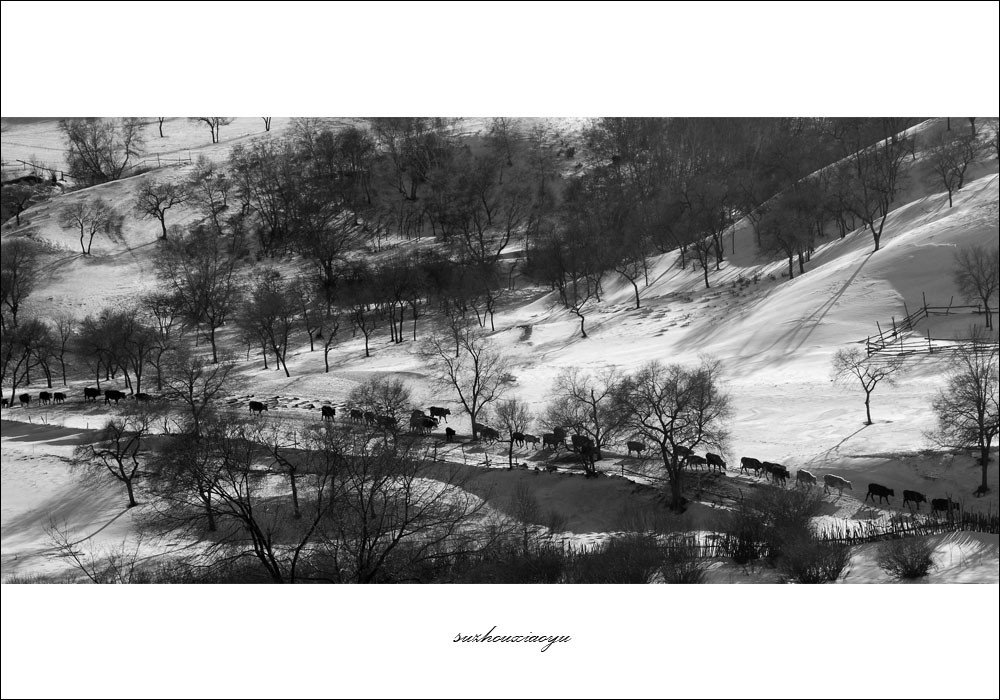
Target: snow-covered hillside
775 338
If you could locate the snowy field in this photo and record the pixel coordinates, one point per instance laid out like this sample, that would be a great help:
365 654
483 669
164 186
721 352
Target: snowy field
775 339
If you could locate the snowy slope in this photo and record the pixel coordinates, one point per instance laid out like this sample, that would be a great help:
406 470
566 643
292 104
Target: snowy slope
775 339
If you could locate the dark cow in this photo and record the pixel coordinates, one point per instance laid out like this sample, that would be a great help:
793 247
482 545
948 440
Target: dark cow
369 417
832 481
530 439
59 397
428 424
580 441
143 397
748 464
780 474
694 460
3 403
804 478
683 452
943 505
489 434
438 412
880 491
915 497
113 395
257 407
357 416
387 422
449 434
517 438
634 446
25 400
417 421
715 461
90 394
328 412
551 440
768 469
45 398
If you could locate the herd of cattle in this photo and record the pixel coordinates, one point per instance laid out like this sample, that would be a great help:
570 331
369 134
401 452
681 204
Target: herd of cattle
423 423
90 395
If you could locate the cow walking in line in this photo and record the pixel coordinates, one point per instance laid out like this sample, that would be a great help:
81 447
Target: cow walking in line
883 492
832 481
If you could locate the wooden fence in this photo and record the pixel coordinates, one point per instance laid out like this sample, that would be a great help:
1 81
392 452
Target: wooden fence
18 166
899 339
901 526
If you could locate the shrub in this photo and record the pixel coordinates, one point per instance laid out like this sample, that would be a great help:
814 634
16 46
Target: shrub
763 524
807 560
906 558
512 563
683 566
628 559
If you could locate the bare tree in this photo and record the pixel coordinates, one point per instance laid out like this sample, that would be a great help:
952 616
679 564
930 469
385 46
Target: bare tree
91 218
154 199
977 274
16 198
329 325
267 123
65 329
854 365
200 273
382 395
950 158
967 408
214 124
876 172
673 407
116 452
18 345
101 150
208 189
368 511
159 121
477 373
585 402
515 417
18 273
195 383
270 311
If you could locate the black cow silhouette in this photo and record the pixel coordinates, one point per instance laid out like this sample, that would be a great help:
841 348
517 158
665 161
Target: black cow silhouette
883 492
113 395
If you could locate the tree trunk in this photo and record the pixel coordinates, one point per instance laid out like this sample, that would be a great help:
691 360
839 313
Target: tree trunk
676 500
636 288
215 353
791 266
984 458
868 409
163 225
131 494
295 494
